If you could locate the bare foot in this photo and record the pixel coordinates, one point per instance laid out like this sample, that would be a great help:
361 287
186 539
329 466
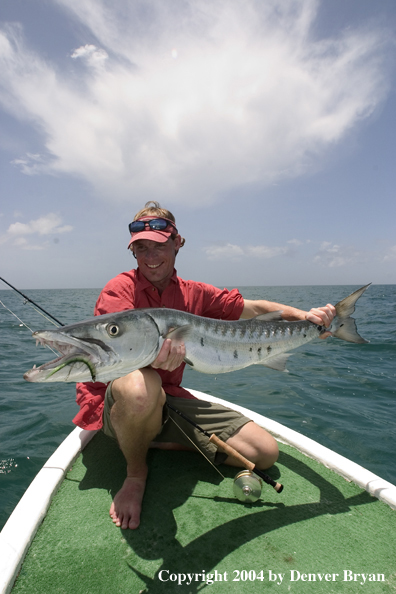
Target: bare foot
127 504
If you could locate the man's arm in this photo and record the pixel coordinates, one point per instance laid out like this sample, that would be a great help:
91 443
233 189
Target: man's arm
172 354
317 315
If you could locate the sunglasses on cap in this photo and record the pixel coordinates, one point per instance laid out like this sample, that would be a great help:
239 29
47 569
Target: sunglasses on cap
153 224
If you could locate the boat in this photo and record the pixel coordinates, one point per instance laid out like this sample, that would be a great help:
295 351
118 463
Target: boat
331 529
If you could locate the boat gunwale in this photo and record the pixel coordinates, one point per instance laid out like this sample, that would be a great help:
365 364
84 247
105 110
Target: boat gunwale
22 525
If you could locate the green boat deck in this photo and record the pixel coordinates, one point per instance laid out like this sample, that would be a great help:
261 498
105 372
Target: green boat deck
321 534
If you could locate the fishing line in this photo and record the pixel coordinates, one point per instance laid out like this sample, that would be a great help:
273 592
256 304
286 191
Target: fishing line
212 438
44 316
231 452
19 319
31 301
195 445
26 326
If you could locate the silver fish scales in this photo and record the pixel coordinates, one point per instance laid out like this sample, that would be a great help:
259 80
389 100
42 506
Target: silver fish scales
112 345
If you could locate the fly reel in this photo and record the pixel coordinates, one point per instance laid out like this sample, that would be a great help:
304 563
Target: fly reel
247 483
247 486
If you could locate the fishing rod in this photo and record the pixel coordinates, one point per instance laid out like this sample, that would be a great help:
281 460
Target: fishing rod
31 301
246 490
246 487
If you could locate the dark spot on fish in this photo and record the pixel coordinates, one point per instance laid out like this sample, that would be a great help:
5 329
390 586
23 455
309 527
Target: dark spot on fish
320 328
235 354
305 336
269 349
250 350
202 342
259 350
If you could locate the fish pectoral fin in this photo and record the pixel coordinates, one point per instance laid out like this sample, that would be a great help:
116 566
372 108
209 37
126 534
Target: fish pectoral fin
179 333
271 316
278 362
187 360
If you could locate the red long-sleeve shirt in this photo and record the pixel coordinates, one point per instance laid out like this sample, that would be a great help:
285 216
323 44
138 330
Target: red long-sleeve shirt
130 290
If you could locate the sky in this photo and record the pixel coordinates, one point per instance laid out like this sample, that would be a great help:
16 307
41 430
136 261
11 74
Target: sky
268 127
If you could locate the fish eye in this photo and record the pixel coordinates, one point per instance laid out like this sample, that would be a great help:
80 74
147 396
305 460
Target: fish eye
112 329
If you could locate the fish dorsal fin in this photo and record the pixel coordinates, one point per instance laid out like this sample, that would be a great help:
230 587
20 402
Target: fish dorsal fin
179 333
278 362
271 316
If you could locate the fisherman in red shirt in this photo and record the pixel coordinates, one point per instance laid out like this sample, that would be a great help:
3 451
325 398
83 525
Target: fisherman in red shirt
132 409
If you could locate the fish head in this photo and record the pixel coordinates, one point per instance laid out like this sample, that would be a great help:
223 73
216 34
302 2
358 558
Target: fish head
99 349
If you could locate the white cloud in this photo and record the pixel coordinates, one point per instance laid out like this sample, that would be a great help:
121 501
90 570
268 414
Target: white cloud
252 97
50 224
236 252
46 225
94 56
391 254
334 256
23 244
218 252
326 254
30 164
264 251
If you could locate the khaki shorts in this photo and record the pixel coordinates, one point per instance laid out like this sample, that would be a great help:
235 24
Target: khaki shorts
212 417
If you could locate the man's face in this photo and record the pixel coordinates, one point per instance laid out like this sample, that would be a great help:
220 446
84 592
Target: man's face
156 260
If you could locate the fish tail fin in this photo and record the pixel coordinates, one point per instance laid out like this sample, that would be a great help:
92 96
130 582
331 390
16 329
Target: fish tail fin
346 329
343 326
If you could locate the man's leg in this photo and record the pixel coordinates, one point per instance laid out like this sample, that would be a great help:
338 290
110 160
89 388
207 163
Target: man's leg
245 436
256 444
136 417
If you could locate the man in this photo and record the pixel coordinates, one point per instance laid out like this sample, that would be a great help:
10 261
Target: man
132 409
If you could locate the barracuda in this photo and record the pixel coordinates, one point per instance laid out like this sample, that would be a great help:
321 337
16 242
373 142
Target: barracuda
112 345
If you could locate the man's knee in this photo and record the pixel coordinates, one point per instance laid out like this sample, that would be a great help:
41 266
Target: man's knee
140 390
256 444
267 451
270 454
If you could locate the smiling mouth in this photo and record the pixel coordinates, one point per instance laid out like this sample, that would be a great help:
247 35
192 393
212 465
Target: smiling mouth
153 266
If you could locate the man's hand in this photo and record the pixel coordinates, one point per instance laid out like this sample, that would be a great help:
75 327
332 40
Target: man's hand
322 316
171 355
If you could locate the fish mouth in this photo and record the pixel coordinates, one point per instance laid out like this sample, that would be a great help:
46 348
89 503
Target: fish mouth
76 357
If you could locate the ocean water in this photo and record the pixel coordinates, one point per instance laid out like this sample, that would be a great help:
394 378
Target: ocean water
340 394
